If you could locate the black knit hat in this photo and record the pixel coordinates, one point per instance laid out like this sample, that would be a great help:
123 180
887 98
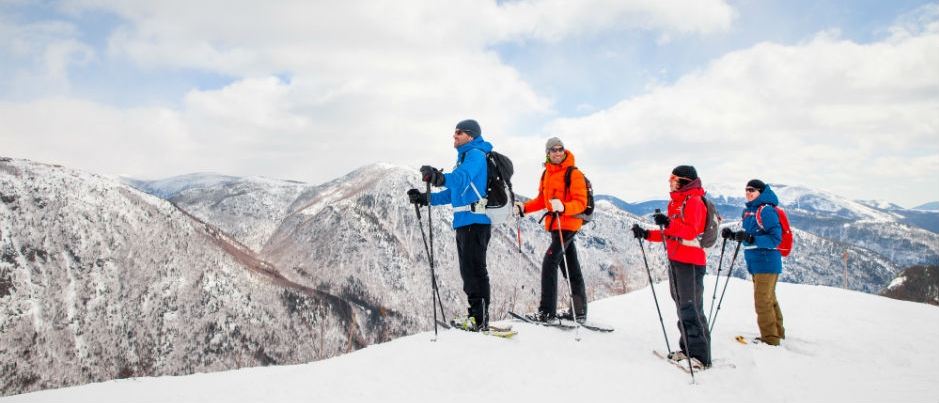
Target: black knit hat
757 184
685 171
470 127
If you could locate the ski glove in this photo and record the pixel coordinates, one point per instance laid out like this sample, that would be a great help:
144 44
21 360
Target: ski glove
726 233
520 209
639 233
417 197
661 219
743 236
557 206
432 175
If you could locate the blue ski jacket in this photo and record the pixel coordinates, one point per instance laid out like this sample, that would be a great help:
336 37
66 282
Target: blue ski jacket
762 256
470 168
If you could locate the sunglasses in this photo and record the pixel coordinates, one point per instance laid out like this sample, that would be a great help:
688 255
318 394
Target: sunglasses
752 190
674 177
556 149
461 131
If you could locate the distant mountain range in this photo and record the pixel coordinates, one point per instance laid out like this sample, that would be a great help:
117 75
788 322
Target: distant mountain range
103 278
933 206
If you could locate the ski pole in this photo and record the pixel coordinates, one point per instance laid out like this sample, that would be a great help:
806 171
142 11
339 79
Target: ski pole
717 280
433 273
518 230
673 280
435 291
433 282
570 289
729 272
668 347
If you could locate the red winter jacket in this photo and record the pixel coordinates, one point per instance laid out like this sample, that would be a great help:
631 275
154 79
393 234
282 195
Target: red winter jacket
686 224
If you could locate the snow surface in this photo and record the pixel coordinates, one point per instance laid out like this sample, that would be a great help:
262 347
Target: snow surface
841 346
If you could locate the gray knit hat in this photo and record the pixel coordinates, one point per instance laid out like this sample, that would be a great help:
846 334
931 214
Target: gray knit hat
552 142
470 127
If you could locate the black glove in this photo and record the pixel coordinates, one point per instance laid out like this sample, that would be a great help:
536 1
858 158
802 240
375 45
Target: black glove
660 219
432 175
417 197
743 236
519 209
726 233
639 233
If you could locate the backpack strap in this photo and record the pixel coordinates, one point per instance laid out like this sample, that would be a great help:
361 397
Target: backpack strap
471 185
463 156
567 180
567 186
758 214
682 211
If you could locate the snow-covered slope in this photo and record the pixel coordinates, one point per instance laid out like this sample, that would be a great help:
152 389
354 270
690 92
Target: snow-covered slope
841 346
127 283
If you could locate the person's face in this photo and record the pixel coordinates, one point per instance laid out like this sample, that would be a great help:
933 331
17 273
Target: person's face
556 154
460 137
674 182
752 194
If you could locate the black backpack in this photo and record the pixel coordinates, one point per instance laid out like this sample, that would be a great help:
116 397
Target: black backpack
499 195
587 214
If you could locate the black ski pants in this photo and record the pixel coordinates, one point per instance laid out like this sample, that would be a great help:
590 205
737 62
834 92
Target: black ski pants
554 259
472 242
687 288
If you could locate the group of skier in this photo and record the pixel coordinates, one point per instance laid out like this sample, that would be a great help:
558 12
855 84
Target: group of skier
563 193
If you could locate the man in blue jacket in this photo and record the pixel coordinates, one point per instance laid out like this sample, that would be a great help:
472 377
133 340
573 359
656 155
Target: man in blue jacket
473 229
760 237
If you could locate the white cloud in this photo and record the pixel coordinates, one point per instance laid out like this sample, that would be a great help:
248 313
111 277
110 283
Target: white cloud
828 113
364 82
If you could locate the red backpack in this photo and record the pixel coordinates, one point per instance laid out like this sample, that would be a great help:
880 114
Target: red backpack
785 246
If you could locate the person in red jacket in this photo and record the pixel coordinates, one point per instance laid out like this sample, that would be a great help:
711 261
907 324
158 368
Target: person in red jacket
687 264
563 204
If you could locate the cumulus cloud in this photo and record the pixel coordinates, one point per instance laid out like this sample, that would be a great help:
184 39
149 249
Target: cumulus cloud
312 90
829 112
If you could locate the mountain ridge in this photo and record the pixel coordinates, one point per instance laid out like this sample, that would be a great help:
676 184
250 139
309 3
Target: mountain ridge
249 265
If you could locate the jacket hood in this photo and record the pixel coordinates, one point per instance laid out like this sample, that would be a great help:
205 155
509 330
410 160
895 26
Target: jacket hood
693 188
477 143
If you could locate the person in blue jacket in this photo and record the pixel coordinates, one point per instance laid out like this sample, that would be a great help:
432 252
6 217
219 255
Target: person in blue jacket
764 261
473 229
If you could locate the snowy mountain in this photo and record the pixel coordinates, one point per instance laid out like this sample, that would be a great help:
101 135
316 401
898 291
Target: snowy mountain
931 206
899 236
877 243
101 281
841 346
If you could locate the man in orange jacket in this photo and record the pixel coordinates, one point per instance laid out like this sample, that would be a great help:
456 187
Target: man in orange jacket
563 204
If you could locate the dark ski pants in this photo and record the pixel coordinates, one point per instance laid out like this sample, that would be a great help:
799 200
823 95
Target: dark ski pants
768 315
472 242
554 259
687 288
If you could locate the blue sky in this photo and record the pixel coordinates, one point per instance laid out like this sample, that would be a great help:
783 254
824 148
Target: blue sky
837 95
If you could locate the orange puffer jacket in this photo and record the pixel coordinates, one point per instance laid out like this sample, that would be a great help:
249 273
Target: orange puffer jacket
552 187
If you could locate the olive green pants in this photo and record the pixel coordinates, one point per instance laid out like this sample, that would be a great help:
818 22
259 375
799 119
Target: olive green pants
768 315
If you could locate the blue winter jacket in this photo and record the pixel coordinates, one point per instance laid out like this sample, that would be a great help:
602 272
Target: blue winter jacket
469 167
762 255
